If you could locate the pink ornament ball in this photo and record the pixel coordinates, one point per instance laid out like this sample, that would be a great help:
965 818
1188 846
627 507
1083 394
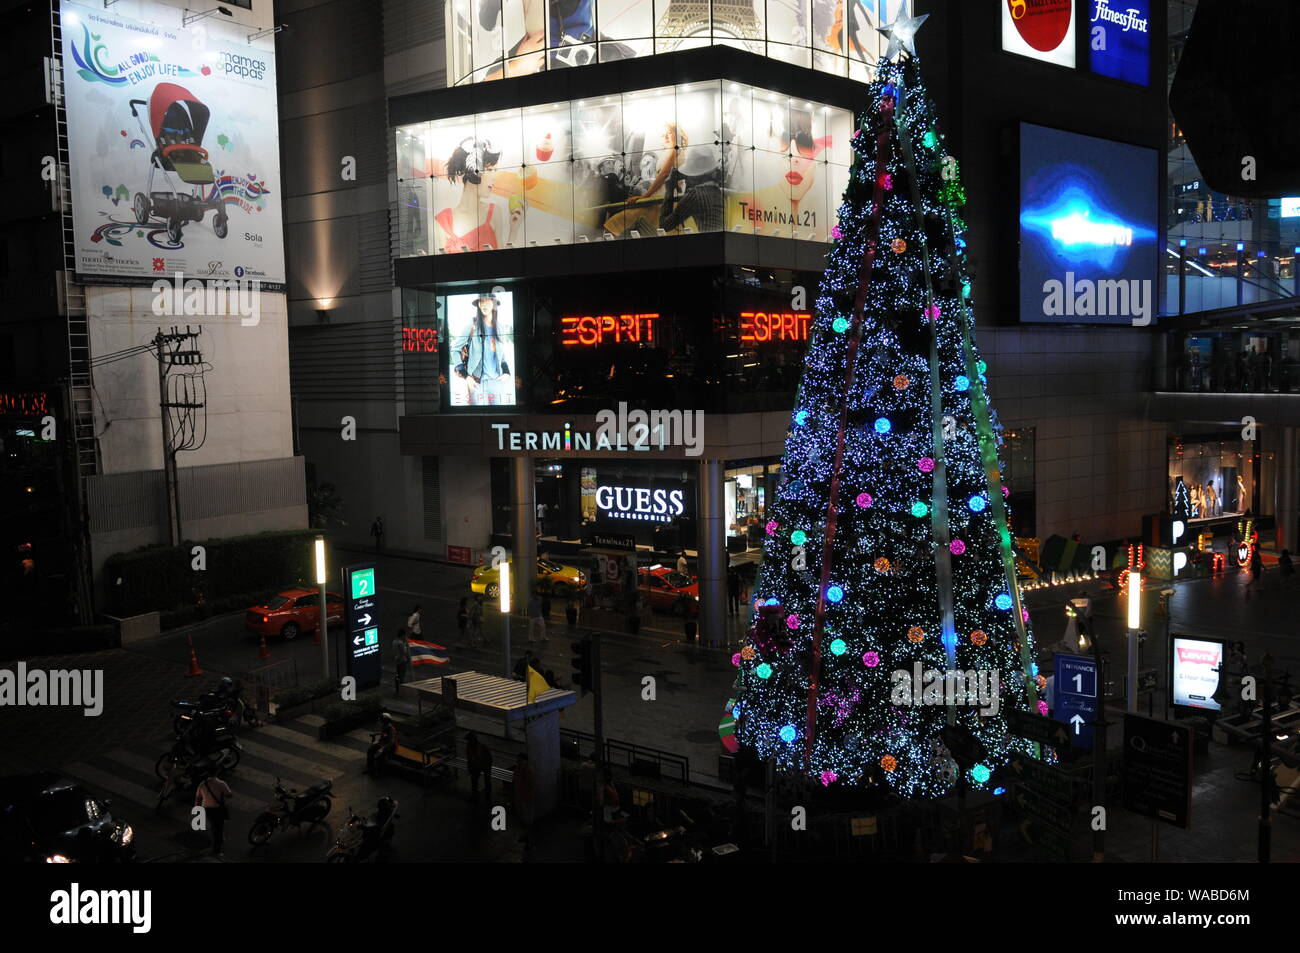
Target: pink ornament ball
836 233
870 659
864 500
926 464
886 181
772 527
957 547
1024 614
828 778
1006 490
736 660
792 622
1042 708
933 312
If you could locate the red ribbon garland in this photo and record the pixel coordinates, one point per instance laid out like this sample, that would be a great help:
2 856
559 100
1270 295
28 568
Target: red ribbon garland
864 281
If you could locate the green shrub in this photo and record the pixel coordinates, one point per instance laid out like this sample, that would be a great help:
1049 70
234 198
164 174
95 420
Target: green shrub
239 570
367 703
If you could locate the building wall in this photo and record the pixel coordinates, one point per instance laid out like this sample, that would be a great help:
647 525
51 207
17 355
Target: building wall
246 381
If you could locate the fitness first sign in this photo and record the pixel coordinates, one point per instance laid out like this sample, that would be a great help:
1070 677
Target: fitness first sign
173 151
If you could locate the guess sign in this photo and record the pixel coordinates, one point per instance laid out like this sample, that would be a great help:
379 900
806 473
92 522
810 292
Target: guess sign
763 326
592 330
420 339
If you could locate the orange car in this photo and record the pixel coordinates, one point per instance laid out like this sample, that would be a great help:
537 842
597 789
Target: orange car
666 590
291 612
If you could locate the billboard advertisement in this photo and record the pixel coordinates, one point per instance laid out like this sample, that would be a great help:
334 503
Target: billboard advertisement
481 349
703 157
1088 229
1119 41
1041 29
173 152
492 39
1194 674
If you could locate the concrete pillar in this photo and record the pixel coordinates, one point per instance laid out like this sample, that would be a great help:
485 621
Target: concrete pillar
1288 488
711 542
523 529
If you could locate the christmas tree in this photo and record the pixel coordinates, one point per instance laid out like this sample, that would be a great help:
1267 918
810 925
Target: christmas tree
888 562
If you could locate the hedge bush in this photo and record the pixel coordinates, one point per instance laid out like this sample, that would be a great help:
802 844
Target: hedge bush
238 568
368 703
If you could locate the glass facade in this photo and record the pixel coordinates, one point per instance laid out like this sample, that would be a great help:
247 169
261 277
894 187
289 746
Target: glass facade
704 157
1221 474
492 39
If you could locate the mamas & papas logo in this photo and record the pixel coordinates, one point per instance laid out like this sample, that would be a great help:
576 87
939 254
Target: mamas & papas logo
1043 24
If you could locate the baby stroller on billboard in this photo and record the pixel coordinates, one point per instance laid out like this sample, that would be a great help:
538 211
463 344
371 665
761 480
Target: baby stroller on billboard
177 121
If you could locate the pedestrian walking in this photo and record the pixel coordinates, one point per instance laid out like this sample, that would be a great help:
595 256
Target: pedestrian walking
476 621
462 620
401 660
522 782
733 591
212 796
682 566
571 611
377 531
413 622
536 624
1256 569
478 760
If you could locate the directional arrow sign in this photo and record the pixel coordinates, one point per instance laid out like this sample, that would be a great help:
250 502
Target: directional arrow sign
362 609
1042 777
1076 697
359 640
1044 809
1045 731
364 620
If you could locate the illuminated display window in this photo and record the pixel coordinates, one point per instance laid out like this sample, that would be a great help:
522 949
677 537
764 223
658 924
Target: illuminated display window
761 327
591 330
491 39
704 157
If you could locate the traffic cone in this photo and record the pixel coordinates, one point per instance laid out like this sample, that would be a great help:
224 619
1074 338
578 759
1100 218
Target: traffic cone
194 659
263 652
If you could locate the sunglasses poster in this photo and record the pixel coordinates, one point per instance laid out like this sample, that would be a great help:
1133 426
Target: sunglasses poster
706 157
173 152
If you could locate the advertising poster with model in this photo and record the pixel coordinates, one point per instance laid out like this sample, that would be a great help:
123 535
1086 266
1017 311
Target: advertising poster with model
173 148
703 157
481 332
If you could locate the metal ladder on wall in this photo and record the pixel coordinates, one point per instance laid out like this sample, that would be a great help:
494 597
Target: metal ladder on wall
72 296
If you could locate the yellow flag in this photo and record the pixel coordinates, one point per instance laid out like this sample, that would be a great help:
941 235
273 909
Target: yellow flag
536 684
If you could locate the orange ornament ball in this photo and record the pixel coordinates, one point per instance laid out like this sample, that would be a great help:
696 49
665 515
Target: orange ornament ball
901 382
898 246
915 634
979 637
889 762
881 564
747 652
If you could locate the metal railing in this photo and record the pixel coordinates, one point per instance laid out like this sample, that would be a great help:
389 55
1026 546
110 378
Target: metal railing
637 759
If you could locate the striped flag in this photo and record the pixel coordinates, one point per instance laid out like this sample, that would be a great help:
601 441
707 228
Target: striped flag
426 653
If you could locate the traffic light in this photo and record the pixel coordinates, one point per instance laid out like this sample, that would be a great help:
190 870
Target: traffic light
583 676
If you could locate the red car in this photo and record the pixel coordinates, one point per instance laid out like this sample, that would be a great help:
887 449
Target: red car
291 612
666 590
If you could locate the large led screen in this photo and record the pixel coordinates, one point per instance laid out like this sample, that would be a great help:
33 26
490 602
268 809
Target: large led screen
1119 41
1088 229
706 157
481 349
174 152
491 39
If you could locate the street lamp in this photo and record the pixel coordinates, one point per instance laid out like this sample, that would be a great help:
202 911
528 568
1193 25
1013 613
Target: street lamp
322 624
1134 624
504 574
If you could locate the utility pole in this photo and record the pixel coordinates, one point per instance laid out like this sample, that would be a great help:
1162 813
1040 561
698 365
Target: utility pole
169 354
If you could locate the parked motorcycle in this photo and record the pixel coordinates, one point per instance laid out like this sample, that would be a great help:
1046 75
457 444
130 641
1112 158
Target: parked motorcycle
183 773
220 747
225 706
310 807
359 838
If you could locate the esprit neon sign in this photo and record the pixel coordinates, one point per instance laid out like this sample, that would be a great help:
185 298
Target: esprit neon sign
593 330
23 404
424 340
640 503
763 326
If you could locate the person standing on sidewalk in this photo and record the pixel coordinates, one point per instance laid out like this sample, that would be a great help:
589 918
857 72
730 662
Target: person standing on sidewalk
462 620
571 611
536 624
401 660
733 591
478 761
1256 569
212 796
476 621
413 622
682 566
377 531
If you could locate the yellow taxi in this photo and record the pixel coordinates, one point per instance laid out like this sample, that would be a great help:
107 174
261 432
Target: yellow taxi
555 578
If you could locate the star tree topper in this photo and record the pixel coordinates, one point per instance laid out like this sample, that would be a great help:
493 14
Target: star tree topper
902 35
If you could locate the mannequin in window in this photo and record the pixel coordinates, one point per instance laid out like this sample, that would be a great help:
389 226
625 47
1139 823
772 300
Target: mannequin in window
1211 499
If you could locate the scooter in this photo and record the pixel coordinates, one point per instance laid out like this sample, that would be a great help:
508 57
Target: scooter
227 710
310 807
219 746
360 839
183 773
